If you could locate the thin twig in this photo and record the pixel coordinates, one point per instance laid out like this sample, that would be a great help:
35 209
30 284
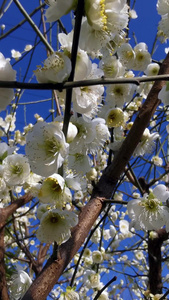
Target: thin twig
35 28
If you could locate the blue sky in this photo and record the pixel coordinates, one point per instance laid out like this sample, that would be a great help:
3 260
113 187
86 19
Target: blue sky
144 28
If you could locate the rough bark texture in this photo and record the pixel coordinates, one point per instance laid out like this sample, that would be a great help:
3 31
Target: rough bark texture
54 268
154 258
4 214
3 285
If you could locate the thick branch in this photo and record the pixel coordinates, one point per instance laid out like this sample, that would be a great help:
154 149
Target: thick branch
9 210
54 268
3 284
154 257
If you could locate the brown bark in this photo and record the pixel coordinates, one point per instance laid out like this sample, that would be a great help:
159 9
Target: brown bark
3 284
54 268
4 214
154 258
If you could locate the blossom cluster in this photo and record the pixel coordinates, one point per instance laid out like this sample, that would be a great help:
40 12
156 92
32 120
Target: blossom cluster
60 169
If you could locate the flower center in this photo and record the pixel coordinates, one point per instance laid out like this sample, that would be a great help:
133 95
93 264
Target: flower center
53 185
118 91
151 204
115 118
17 169
51 146
140 57
53 219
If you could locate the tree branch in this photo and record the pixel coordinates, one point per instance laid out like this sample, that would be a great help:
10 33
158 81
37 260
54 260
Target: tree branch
54 268
80 83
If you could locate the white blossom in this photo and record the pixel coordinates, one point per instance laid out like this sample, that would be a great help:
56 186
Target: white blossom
59 8
70 294
57 68
16 169
157 160
46 148
107 15
55 226
6 74
54 191
97 257
146 144
19 284
124 226
164 94
92 40
15 54
83 63
149 213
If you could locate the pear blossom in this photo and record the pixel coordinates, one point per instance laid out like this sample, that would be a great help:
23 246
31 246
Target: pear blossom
5 150
153 235
163 10
3 187
133 14
71 133
86 99
6 74
97 257
104 296
146 144
57 68
75 183
142 57
163 25
111 66
92 134
83 63
126 55
46 148
164 94
72 129
19 284
28 47
96 236
137 58
79 163
107 15
124 226
15 54
92 174
148 212
70 294
16 169
92 40
152 69
55 225
54 191
139 255
118 94
157 160
42 208
59 8
84 136
91 279
114 117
